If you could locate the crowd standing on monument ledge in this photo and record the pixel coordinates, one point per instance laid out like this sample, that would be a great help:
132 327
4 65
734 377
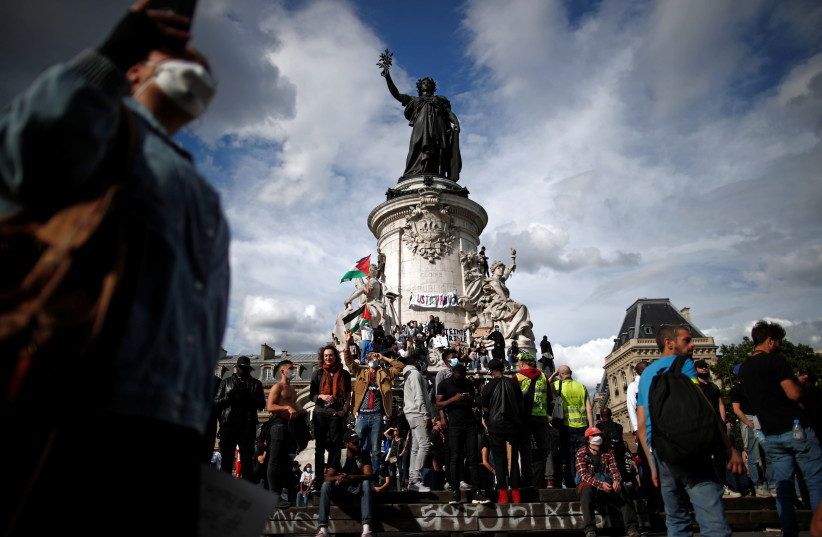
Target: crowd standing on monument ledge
489 438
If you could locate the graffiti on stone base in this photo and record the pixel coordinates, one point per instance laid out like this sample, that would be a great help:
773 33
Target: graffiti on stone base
292 522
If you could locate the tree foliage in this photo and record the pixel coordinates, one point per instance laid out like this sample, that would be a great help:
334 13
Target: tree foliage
798 356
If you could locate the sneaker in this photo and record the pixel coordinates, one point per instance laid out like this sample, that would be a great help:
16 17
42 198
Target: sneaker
503 496
762 492
447 486
464 486
515 496
321 533
418 487
632 532
731 493
282 504
773 493
455 498
366 533
480 499
590 533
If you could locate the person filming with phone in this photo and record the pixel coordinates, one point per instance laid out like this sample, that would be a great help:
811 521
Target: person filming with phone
147 380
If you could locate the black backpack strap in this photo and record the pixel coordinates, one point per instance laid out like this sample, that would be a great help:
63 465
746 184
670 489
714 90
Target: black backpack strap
678 364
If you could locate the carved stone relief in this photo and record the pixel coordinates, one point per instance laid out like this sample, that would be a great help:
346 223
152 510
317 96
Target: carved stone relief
429 229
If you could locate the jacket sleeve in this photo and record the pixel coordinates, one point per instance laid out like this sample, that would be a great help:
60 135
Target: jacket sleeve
350 362
611 466
258 396
425 400
314 387
221 399
584 470
396 368
55 134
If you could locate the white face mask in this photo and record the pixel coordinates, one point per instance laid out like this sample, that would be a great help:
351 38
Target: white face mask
186 83
292 374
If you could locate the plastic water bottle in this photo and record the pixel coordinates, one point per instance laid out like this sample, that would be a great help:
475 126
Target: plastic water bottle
761 436
798 431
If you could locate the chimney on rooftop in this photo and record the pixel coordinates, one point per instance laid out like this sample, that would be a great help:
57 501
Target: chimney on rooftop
266 352
283 353
686 312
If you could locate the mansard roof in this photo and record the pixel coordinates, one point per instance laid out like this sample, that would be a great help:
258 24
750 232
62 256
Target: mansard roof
644 317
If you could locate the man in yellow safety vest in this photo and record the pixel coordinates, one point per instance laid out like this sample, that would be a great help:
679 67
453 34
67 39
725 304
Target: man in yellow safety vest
578 417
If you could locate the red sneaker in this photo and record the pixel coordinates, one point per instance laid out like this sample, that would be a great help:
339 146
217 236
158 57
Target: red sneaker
515 496
503 496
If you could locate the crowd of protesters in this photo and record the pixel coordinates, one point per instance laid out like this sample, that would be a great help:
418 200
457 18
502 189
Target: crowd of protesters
493 437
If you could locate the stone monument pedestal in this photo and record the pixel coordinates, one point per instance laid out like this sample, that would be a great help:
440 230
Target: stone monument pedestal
421 229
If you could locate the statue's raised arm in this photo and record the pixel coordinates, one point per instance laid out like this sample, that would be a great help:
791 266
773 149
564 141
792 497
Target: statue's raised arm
434 147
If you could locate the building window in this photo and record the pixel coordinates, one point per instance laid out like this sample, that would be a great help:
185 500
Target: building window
218 372
616 386
624 381
267 374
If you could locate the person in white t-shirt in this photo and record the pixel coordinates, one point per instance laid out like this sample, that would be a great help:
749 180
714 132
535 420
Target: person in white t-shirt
631 393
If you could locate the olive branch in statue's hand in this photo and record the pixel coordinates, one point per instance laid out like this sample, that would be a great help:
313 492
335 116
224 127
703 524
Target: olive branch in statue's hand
385 61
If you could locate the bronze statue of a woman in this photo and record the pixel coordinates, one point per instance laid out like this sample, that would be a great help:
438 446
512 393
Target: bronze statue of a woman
434 148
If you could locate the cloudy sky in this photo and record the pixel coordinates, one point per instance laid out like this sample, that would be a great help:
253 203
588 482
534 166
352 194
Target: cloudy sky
625 149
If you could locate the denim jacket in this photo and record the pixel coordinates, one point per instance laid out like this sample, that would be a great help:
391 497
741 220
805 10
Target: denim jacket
52 137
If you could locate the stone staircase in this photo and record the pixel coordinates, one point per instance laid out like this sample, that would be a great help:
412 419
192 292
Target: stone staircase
542 510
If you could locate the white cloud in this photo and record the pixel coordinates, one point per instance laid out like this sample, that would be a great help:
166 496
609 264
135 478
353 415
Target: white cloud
652 150
586 361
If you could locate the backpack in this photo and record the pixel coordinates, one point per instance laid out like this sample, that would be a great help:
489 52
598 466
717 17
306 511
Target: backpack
683 422
504 407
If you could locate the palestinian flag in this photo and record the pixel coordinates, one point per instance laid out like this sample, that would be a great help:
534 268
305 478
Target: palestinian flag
364 319
351 321
359 270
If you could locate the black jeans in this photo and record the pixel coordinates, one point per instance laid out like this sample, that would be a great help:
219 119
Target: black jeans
242 436
328 431
279 463
536 427
572 438
587 496
498 448
462 443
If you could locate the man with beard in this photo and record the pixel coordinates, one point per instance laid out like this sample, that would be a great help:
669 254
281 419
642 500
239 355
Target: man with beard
774 394
696 481
353 478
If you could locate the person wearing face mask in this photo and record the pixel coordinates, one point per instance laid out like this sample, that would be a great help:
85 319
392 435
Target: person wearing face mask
154 381
282 400
238 399
372 399
306 483
450 358
598 478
